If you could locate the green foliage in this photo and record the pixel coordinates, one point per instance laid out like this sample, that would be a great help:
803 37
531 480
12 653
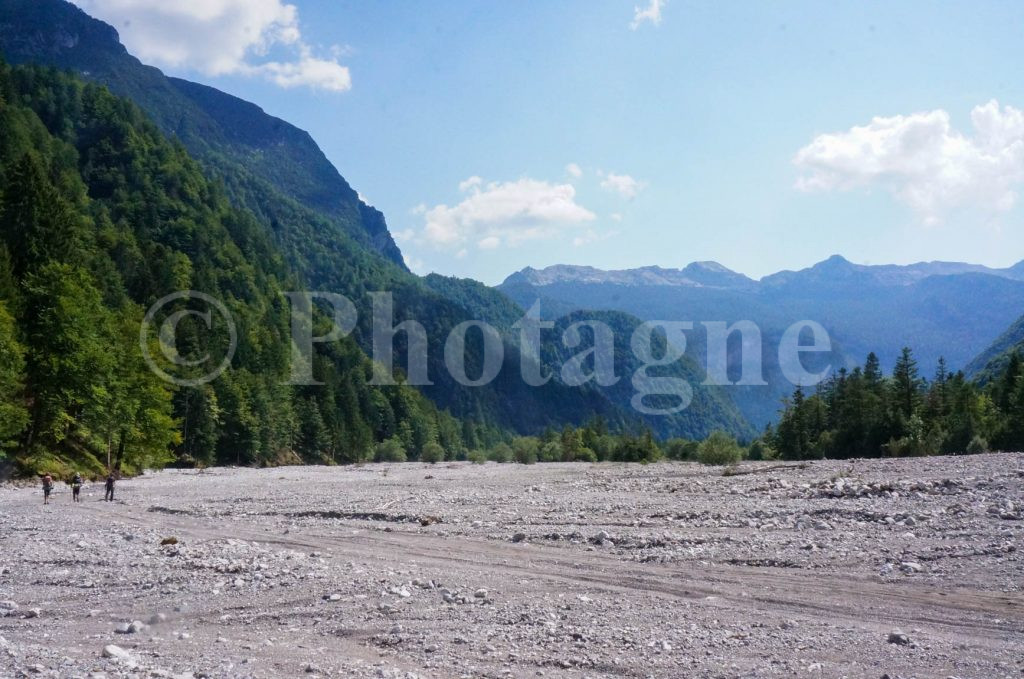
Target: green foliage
862 413
632 448
681 449
13 410
432 453
977 446
477 457
525 449
759 449
390 450
719 449
501 453
100 216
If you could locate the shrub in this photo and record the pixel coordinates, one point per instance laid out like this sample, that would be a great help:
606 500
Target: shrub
977 446
760 450
432 453
501 453
681 449
477 457
585 455
524 450
551 452
719 449
390 450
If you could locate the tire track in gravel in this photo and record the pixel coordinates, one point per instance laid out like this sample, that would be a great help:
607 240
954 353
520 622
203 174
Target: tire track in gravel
959 616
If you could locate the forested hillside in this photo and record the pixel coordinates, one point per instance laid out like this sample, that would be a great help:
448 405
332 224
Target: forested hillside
100 216
991 363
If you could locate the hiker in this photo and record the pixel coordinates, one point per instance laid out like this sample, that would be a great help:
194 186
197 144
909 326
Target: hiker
110 488
76 487
47 488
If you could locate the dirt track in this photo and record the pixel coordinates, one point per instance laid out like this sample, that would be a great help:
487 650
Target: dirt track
611 570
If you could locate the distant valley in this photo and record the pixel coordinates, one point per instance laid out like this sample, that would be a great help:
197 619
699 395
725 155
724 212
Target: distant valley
940 309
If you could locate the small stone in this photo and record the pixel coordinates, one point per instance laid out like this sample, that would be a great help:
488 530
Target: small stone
115 652
899 638
480 594
519 537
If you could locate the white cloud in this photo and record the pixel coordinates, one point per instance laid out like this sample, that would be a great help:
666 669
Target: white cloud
651 13
923 161
622 184
223 37
503 213
574 170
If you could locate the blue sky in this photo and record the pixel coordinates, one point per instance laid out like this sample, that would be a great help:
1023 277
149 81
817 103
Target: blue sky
762 135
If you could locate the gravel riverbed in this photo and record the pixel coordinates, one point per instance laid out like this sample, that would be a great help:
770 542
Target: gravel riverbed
866 568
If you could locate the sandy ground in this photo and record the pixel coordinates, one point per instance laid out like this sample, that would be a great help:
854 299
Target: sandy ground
904 568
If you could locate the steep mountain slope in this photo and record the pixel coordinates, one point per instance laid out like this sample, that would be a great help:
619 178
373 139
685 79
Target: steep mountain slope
221 130
939 309
991 363
100 216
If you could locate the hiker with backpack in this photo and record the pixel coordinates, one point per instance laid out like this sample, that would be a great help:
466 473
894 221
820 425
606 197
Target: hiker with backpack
47 488
109 497
76 487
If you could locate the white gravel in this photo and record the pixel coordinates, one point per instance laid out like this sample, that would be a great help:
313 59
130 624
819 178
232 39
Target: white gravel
905 568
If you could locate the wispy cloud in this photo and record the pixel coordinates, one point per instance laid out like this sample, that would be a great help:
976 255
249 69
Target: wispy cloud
923 161
649 14
622 184
224 37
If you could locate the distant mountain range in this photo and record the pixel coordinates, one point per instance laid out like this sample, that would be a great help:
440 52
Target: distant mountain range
714 275
939 309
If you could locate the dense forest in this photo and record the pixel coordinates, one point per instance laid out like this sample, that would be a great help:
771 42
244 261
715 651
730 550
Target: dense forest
100 216
863 413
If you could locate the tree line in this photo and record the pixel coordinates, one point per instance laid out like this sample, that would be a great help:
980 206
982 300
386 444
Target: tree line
864 413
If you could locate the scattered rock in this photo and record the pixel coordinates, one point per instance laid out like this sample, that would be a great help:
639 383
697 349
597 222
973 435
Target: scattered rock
899 638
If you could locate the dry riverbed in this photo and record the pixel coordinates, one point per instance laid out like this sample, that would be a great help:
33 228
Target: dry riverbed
898 568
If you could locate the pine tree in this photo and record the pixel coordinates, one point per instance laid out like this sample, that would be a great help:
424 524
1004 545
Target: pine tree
906 384
37 222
